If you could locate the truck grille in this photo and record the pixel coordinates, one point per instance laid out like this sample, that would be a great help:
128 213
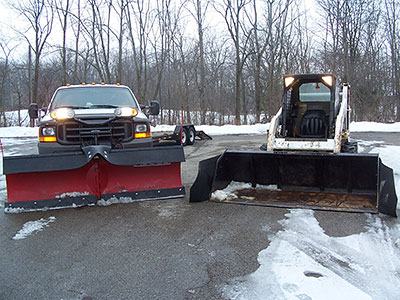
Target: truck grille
89 134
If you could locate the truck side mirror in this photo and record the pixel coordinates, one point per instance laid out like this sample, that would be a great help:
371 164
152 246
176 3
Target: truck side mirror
154 108
33 111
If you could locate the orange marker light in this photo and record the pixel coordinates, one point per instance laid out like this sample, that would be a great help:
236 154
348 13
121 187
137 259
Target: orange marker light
47 139
142 135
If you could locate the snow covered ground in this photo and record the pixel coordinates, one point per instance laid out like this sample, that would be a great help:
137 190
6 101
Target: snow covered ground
301 261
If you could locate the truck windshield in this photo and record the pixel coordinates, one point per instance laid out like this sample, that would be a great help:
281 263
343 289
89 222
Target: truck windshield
93 97
314 92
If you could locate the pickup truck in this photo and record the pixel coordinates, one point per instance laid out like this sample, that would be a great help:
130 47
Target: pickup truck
93 114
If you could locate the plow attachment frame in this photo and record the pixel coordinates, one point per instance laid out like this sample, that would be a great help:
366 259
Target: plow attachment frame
59 180
343 182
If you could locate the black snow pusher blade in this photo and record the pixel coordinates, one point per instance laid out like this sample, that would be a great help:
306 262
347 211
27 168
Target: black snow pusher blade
342 182
97 175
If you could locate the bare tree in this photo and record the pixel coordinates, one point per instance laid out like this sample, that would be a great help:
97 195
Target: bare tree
62 12
392 24
40 16
138 18
232 13
4 71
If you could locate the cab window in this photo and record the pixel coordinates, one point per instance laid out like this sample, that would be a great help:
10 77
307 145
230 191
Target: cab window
314 92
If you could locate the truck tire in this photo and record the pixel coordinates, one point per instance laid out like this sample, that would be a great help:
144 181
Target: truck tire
349 147
191 136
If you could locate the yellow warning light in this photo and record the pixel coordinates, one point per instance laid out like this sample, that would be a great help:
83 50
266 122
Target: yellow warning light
68 84
118 83
102 83
83 83
93 83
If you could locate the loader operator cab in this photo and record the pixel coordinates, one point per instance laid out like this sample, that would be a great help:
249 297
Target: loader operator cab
310 104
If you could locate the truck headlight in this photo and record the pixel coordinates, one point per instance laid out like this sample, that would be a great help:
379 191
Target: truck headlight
125 112
62 113
141 128
142 131
48 131
47 134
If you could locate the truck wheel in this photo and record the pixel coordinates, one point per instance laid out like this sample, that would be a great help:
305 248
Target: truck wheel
191 136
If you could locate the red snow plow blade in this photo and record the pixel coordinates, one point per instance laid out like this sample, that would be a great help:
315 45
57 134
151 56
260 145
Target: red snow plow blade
341 182
97 175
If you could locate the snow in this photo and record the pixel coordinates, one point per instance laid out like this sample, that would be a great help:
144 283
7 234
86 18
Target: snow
33 226
374 127
7 132
302 262
229 192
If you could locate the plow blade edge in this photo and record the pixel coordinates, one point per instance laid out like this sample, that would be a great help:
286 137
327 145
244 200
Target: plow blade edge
342 182
95 174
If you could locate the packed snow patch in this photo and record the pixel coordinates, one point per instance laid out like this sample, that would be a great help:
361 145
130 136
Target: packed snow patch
33 226
302 262
115 200
72 194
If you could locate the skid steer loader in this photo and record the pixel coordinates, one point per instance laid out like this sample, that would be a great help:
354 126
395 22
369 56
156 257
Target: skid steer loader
95 147
308 161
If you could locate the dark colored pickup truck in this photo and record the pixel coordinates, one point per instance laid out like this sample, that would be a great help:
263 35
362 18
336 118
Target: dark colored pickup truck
96 114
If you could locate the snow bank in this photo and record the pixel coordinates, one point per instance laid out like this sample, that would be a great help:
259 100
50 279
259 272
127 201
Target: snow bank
18 132
221 130
374 127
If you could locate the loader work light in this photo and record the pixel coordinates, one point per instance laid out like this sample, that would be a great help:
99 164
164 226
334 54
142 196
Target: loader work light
125 112
62 113
328 80
288 81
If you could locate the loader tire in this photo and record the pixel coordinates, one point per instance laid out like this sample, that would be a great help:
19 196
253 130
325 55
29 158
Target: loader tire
350 147
191 136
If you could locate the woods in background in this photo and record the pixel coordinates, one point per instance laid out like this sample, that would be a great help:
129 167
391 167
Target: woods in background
224 58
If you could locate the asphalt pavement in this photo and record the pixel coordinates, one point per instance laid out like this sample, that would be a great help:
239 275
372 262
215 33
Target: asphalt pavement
161 249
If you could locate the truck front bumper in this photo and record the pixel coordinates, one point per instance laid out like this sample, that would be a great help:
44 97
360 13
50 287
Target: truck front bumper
54 147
